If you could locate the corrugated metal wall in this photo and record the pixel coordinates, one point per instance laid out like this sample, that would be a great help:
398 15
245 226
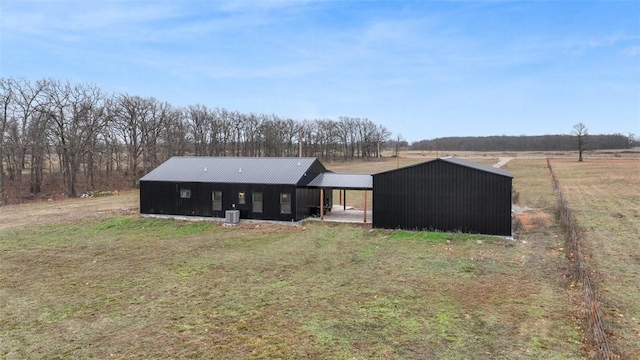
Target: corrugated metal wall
313 170
164 198
438 195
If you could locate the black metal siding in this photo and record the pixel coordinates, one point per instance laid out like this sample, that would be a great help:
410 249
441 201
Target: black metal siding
306 201
311 173
158 197
439 195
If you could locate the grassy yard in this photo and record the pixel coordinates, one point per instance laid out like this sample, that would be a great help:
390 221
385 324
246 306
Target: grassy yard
605 197
117 285
130 287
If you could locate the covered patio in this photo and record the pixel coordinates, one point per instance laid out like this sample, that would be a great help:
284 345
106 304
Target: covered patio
349 215
343 182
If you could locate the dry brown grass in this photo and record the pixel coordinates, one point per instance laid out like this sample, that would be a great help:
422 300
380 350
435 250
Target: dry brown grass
531 180
373 166
66 210
605 197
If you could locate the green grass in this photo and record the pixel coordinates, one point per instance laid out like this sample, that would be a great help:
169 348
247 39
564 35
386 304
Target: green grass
128 287
117 228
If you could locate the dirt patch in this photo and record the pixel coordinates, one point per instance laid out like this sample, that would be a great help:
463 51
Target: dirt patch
67 210
534 219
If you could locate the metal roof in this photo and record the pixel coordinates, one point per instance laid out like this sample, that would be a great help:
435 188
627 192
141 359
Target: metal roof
461 162
254 170
343 181
477 166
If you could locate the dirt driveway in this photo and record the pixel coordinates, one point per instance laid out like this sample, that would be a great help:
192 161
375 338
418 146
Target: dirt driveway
49 212
502 162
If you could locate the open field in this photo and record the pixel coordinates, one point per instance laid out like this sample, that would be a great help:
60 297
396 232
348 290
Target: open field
605 197
68 210
610 153
373 166
107 283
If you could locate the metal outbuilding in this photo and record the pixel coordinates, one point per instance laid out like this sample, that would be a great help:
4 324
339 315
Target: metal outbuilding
445 194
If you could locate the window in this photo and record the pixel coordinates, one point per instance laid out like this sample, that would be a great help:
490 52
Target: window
216 197
257 202
185 193
285 203
241 199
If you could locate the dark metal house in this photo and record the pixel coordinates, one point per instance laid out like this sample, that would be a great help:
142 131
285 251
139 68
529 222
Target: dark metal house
260 188
446 194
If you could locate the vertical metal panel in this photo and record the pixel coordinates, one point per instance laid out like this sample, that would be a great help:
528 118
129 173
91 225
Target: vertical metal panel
439 195
306 202
158 197
313 170
163 197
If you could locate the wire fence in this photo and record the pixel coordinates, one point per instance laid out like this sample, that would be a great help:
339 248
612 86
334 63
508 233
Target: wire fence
596 334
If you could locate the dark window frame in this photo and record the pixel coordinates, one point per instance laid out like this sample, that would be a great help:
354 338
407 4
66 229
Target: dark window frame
256 204
285 207
217 203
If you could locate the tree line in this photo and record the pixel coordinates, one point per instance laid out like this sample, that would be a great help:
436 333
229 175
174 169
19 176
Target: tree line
527 143
89 137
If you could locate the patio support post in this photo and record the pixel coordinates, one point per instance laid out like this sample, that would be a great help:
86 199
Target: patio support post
345 200
321 204
365 206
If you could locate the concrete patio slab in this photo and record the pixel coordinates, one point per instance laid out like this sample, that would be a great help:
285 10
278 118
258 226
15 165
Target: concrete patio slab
350 215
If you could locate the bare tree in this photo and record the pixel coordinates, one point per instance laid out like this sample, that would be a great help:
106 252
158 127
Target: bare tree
633 140
326 137
33 125
5 97
237 131
345 131
174 132
81 134
399 144
253 136
199 121
112 148
132 113
161 114
581 133
39 145
382 135
77 116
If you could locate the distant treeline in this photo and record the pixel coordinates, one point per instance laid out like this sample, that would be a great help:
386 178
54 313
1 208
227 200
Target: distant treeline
51 129
525 143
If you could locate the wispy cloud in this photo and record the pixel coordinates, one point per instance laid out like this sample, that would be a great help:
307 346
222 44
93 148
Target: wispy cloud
385 59
632 50
56 17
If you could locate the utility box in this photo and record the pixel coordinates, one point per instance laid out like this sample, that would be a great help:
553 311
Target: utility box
232 216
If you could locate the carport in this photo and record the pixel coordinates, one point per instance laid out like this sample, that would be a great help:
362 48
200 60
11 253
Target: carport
342 182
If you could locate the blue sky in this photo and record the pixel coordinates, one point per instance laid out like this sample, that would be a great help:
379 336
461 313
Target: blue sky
423 69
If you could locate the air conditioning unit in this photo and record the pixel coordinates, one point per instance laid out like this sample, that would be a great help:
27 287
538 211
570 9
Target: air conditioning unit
232 216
